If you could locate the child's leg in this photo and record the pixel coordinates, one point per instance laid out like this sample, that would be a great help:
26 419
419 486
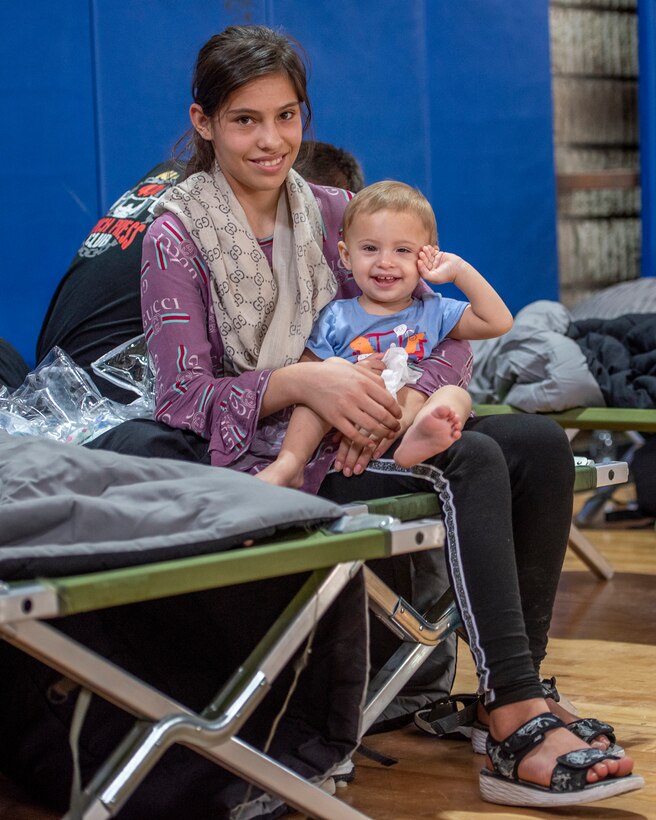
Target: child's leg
302 438
436 426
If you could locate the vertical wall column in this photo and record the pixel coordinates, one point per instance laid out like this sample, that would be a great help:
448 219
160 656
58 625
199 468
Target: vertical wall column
647 108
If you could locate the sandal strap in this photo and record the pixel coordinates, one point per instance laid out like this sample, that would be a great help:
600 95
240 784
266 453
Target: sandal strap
571 769
444 716
549 689
590 728
506 755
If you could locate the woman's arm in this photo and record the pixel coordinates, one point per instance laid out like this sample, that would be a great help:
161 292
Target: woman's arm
191 390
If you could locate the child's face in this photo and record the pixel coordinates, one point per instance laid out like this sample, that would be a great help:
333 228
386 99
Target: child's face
381 249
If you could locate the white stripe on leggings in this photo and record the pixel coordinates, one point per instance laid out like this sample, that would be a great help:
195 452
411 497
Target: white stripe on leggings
435 477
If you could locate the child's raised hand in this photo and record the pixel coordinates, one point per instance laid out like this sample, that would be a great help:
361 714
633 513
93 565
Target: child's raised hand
437 266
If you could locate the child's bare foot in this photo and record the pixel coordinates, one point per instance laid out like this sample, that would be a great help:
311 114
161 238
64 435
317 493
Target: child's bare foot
431 432
285 471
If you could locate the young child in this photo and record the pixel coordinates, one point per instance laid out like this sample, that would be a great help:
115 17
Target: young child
389 242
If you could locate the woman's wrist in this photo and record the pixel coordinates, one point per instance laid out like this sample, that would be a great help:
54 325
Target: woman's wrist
286 387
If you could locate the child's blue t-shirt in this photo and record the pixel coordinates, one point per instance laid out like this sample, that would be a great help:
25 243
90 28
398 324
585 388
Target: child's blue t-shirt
345 329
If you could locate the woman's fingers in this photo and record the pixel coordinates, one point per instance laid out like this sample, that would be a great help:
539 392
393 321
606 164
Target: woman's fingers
352 458
353 399
383 446
357 436
372 418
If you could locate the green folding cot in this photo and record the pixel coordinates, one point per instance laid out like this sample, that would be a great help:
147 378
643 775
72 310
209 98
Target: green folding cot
57 560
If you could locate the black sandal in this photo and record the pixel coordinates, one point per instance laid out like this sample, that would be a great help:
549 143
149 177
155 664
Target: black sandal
587 729
568 786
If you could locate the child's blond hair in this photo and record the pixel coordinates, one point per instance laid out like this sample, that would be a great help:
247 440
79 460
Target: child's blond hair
392 196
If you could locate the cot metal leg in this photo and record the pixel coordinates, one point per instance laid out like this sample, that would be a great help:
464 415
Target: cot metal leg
606 475
176 723
421 635
589 554
407 659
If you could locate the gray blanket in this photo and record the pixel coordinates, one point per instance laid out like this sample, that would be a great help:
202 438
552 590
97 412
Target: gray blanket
535 366
65 509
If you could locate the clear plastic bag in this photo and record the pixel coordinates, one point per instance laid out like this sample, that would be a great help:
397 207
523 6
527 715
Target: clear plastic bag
59 401
128 366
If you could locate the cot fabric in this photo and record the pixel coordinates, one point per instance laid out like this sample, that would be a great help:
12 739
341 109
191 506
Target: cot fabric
345 329
65 510
193 385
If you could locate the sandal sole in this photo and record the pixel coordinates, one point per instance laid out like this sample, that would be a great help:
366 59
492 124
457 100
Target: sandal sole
479 740
496 789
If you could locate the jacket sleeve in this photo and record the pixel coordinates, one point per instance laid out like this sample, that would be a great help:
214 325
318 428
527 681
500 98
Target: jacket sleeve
192 391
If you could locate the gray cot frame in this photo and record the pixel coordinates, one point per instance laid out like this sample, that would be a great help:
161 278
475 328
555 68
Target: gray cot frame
161 721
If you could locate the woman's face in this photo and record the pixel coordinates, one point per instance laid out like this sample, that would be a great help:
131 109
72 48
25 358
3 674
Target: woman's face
257 134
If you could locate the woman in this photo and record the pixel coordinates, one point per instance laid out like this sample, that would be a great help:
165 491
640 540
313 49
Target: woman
225 335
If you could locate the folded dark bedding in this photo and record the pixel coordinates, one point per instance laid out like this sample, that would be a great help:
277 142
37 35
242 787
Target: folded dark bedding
621 355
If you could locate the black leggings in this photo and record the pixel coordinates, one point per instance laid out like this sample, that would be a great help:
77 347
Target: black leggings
506 494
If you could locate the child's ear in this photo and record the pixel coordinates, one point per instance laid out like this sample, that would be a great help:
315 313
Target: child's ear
344 255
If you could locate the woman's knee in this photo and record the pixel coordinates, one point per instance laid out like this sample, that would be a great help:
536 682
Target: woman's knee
536 448
544 440
479 451
531 434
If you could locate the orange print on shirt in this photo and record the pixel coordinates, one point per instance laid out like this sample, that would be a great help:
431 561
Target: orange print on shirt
371 343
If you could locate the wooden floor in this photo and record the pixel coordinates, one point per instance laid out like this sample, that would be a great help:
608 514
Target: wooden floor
603 652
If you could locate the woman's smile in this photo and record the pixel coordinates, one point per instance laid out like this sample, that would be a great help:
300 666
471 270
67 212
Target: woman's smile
271 164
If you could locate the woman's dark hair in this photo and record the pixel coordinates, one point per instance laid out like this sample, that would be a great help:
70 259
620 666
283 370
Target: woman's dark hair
229 60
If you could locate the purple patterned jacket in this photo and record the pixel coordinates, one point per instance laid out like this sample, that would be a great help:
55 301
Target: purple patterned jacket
192 389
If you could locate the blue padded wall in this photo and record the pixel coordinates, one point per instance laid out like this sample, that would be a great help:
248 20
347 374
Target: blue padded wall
452 97
145 56
48 145
493 181
367 82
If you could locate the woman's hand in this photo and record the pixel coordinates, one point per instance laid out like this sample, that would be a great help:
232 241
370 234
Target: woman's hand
353 399
352 458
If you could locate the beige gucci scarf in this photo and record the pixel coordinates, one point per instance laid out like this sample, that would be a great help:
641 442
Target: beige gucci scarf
264 316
